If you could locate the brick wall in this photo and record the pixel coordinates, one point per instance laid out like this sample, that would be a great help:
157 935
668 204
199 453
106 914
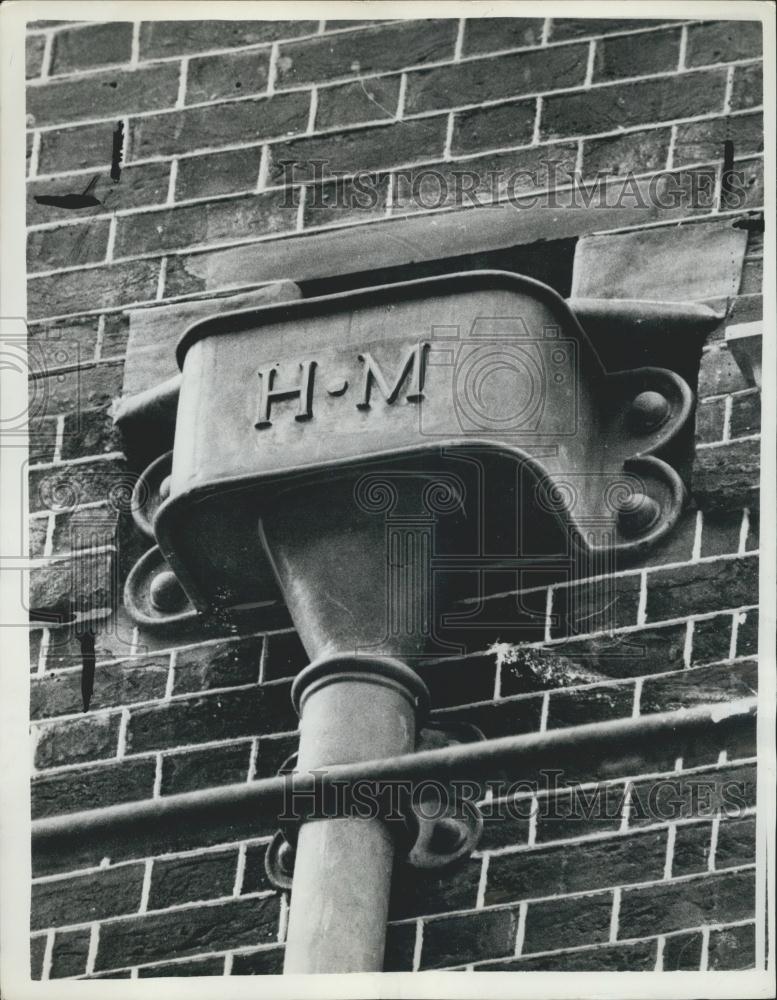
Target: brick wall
210 111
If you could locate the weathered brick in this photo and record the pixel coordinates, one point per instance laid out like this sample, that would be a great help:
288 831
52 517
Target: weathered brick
359 53
457 940
284 656
99 287
636 956
573 27
89 432
713 586
37 951
636 152
232 924
52 345
114 684
197 967
64 486
350 151
686 903
34 46
41 438
747 633
566 923
362 101
184 880
579 811
493 127
417 893
90 46
606 109
209 222
82 898
637 55
212 78
595 606
76 147
104 95
748 88
727 477
217 666
62 589
190 770
76 740
265 962
69 953
172 38
400 948
682 952
143 185
79 388
732 948
592 704
496 77
503 718
534 669
752 267
720 533
691 848
67 246
490 34
722 41
348 200
255 875
628 654
698 795
273 752
745 414
459 680
217 173
38 531
736 843
220 125
710 414
700 141
92 787
559 870
115 335
699 686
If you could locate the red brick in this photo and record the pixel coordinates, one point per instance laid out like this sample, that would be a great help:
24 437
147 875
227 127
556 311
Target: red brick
594 606
94 287
75 740
682 952
636 152
104 95
64 486
590 704
255 877
231 172
567 923
698 795
172 38
76 147
62 343
561 870
115 684
34 46
642 54
69 953
212 717
90 46
359 53
491 128
691 848
65 588
700 141
732 948
184 880
456 940
92 787
37 952
629 654
748 88
265 962
139 186
490 34
212 78
232 924
686 903
720 533
496 77
351 151
504 718
362 101
726 477
210 222
573 27
710 415
736 843
88 386
746 414
579 811
209 127
90 432
217 666
67 246
637 956
606 109
711 586
349 200
188 771
722 41
84 898
41 438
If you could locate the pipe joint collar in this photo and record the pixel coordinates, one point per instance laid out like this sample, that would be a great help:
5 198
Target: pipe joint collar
372 669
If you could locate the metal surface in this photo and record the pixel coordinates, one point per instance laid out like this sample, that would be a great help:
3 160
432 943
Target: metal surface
507 758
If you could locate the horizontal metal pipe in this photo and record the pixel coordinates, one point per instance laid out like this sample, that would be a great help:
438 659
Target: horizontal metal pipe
508 757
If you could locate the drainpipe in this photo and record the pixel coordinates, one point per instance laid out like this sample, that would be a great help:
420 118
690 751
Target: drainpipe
352 709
